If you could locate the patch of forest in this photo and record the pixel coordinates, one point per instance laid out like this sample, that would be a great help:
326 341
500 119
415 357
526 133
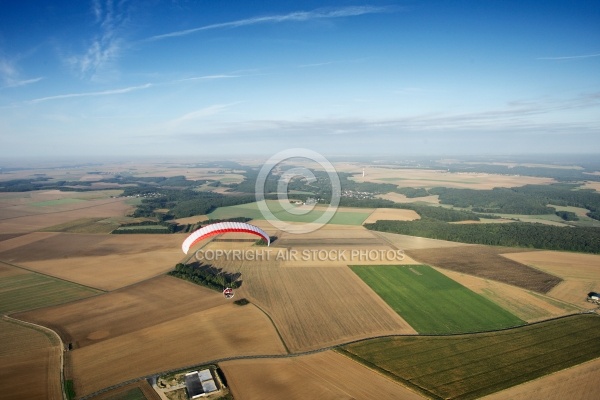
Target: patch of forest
517 234
528 199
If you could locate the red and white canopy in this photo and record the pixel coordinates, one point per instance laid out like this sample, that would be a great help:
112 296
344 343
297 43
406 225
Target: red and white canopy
219 228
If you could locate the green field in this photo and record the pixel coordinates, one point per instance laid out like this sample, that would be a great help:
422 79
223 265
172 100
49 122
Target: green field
472 366
30 290
250 210
433 303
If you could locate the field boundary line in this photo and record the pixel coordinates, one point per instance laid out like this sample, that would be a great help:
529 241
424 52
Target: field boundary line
309 352
58 212
274 326
51 276
48 332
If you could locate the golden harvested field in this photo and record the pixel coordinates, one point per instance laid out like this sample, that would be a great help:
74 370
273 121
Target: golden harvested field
406 242
24 240
592 185
581 382
329 236
314 307
527 305
580 273
433 178
17 219
199 337
29 363
191 220
325 376
392 214
105 262
400 198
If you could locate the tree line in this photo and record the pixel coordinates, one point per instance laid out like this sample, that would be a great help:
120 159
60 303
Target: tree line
517 234
206 275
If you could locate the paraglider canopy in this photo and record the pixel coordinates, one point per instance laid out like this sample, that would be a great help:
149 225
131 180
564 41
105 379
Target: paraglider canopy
222 227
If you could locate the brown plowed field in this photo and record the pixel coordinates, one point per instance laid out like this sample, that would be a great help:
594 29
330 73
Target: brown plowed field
199 337
581 382
324 376
524 304
486 262
105 262
110 315
580 273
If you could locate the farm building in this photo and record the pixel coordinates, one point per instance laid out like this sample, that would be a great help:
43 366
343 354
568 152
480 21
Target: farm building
199 384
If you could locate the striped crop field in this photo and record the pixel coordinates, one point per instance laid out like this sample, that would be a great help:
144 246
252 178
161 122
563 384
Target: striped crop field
433 303
30 290
472 366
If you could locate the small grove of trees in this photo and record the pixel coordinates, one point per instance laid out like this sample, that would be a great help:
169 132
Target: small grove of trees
567 215
206 275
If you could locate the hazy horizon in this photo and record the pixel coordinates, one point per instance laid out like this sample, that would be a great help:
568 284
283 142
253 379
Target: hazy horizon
103 78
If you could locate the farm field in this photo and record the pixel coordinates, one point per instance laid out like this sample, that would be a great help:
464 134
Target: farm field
23 290
343 215
432 303
123 259
25 218
525 304
123 311
470 366
392 214
407 177
329 236
486 262
160 324
580 273
325 376
406 242
121 317
592 185
139 390
85 225
581 382
29 362
203 335
314 307
400 198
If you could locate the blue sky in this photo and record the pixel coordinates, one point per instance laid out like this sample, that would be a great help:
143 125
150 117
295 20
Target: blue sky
213 78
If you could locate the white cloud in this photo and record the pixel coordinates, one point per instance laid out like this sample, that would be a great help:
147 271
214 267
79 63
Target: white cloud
92 94
298 16
203 113
106 46
569 57
10 76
